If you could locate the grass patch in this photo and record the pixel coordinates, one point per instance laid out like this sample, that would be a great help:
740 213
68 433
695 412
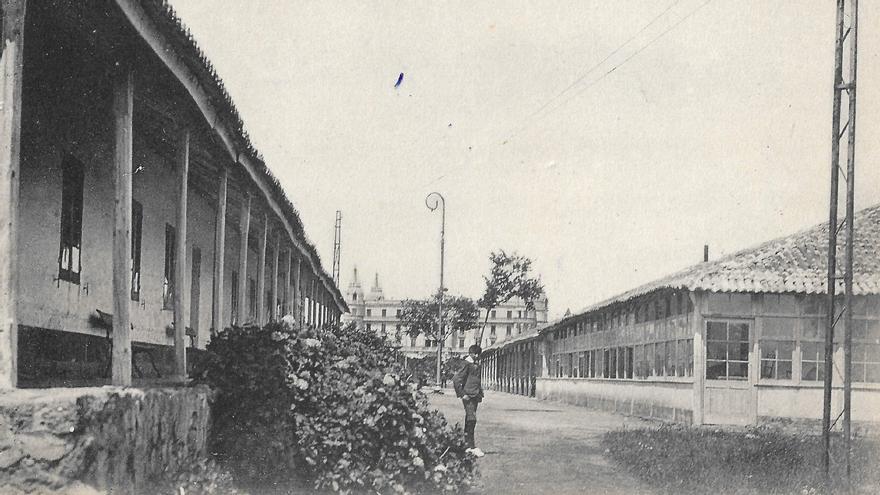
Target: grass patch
698 460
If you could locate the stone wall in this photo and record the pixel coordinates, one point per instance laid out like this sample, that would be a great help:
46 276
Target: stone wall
98 439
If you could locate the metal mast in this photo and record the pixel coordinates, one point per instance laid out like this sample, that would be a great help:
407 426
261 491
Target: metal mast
849 128
337 247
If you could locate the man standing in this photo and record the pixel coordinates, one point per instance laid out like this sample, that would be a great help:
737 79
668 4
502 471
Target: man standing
468 388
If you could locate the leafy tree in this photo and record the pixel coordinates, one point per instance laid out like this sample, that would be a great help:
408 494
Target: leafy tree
509 278
420 317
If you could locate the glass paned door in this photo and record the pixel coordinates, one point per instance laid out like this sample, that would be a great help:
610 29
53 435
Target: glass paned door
728 396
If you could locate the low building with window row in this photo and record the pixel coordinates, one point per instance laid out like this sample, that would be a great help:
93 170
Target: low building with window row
739 340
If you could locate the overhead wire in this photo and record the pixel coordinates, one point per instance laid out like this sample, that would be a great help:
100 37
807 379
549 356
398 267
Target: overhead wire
609 71
599 64
594 67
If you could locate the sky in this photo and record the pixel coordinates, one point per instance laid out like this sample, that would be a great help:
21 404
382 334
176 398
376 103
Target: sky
606 141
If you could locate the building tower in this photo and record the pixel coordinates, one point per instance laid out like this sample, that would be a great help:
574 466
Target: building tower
376 293
355 299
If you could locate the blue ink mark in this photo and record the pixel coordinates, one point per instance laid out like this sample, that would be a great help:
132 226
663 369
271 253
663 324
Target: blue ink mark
399 80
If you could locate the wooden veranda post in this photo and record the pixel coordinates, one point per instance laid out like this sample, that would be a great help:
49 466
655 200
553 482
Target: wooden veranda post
297 292
219 252
123 103
11 64
288 298
318 321
307 293
275 256
313 306
244 224
180 261
261 274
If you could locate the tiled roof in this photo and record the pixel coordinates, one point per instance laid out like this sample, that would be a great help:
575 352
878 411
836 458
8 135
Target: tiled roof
796 263
527 335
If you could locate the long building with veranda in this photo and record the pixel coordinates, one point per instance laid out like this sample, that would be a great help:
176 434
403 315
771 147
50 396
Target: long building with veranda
136 216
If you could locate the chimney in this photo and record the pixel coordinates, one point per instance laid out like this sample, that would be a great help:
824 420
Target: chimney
705 253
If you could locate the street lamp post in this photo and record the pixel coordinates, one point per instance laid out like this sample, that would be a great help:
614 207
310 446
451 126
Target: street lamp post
433 201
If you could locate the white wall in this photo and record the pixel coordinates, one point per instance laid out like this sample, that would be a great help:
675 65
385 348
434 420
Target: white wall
627 396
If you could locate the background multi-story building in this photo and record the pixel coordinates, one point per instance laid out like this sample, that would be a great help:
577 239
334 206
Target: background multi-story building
375 312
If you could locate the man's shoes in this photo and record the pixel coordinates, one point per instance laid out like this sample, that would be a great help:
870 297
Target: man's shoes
476 452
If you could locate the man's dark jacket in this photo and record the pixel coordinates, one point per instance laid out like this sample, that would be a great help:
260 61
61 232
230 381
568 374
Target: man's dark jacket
467 381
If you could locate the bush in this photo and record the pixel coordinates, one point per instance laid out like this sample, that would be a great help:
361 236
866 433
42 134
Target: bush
202 478
328 408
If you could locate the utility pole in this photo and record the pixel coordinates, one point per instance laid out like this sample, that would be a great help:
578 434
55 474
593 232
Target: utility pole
839 87
337 247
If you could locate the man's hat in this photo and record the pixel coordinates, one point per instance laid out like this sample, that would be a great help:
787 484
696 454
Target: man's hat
475 349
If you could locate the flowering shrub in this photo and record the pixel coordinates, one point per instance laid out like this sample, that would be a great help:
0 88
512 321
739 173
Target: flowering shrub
327 407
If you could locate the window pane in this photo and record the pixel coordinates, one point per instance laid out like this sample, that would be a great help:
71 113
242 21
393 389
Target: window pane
872 373
873 331
690 357
812 351
858 353
768 350
612 366
629 362
738 352
716 350
659 360
738 370
872 353
809 371
783 370
858 372
860 329
739 332
681 358
716 330
715 370
768 369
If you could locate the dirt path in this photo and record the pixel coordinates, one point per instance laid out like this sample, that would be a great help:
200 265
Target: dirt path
542 447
